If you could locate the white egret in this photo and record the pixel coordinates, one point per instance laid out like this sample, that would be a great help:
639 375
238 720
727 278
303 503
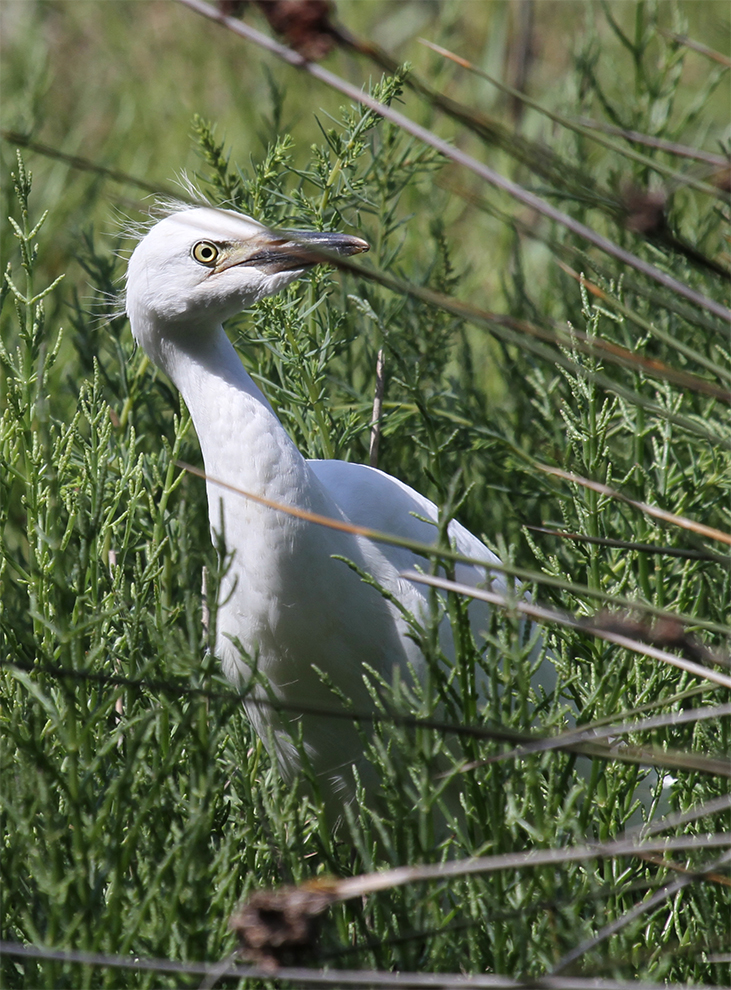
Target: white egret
286 598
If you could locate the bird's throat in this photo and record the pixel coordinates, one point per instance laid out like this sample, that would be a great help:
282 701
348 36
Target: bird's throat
243 442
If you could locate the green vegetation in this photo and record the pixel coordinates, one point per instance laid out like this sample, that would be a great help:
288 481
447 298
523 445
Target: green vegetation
137 807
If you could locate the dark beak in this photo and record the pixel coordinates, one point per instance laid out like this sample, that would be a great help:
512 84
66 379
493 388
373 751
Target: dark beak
290 250
323 240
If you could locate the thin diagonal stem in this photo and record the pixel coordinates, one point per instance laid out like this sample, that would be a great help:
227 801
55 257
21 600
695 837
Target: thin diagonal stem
445 148
652 902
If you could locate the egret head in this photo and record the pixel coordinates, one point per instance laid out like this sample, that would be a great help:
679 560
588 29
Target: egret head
197 267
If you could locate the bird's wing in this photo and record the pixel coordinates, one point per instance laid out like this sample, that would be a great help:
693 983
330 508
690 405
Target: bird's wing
369 497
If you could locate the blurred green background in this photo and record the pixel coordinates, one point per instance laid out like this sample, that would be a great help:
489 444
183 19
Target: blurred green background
119 83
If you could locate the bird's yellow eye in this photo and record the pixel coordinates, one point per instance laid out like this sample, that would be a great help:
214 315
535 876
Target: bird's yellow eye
205 253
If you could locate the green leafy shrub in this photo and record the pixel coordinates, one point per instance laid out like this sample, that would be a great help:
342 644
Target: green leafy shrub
137 805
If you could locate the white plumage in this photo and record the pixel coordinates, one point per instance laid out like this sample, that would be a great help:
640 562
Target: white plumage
286 599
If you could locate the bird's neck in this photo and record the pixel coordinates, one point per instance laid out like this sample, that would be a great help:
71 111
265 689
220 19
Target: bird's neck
205 367
241 438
